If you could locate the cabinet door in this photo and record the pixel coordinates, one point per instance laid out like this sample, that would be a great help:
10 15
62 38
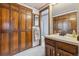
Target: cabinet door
29 30
23 41
63 53
5 44
29 39
5 19
14 42
49 50
14 20
22 21
5 28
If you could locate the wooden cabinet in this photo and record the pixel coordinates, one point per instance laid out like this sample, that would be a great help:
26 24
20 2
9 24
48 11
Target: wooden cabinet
57 48
50 50
15 28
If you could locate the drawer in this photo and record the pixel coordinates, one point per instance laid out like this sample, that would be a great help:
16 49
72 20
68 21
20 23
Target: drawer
49 42
67 47
60 52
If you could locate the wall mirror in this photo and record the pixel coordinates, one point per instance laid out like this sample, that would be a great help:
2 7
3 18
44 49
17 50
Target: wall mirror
67 23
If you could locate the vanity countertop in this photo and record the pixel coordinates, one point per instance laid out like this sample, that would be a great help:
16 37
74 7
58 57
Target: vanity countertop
66 39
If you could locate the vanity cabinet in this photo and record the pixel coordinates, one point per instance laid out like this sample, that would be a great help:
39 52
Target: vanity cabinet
57 48
49 47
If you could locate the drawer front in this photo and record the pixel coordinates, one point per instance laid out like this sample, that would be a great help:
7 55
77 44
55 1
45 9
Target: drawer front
49 42
60 52
67 47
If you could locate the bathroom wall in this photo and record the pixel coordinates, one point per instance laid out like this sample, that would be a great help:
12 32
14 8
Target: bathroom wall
64 8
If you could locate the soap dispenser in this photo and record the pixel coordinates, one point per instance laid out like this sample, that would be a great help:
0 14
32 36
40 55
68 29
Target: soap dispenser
74 34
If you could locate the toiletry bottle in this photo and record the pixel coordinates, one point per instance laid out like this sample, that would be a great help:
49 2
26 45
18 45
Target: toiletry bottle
74 34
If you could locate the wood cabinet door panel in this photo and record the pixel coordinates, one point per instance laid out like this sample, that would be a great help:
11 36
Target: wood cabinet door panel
14 20
23 41
23 21
29 39
29 29
14 42
5 44
29 22
5 19
50 50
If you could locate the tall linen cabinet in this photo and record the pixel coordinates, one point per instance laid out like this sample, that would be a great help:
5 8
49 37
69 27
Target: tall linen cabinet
15 28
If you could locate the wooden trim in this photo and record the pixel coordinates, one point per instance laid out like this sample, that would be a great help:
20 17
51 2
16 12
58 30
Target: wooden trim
40 27
49 20
1 29
10 30
31 26
19 33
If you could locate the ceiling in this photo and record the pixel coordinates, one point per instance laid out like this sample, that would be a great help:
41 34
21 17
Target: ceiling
36 5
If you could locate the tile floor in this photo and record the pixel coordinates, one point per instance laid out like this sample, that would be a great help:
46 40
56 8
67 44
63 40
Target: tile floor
36 51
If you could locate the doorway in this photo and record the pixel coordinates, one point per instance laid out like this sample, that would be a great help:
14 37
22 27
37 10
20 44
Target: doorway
44 24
